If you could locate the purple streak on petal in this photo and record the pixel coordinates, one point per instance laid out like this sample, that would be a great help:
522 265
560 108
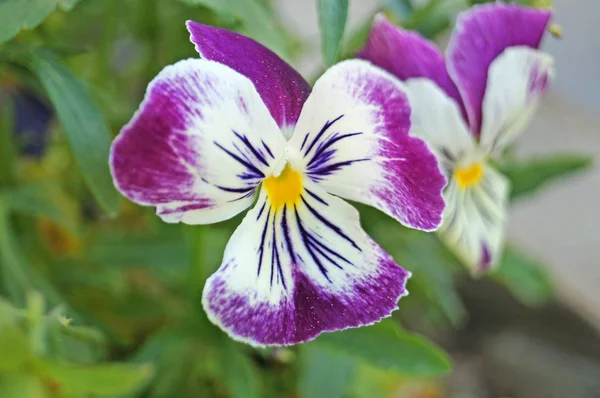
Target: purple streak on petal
415 182
407 55
483 33
282 89
151 158
310 310
486 258
539 81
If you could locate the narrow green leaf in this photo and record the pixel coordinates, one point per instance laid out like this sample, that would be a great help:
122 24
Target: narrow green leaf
332 22
104 379
385 345
527 177
241 377
525 278
86 128
324 372
42 199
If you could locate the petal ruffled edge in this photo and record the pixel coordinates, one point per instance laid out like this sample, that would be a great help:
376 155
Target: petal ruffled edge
357 146
196 147
291 274
480 35
281 87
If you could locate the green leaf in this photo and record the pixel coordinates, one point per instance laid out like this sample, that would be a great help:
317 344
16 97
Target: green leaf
104 379
324 373
385 345
22 14
241 377
332 21
21 385
525 278
17 15
67 5
14 348
86 128
430 19
528 177
42 199
256 18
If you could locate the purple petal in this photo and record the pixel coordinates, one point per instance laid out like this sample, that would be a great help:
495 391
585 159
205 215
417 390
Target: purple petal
483 33
282 89
353 139
196 148
407 55
291 273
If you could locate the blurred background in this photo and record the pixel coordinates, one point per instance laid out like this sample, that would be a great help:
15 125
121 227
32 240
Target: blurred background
102 299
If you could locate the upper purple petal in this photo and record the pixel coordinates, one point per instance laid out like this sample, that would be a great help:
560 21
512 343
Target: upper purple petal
481 34
282 89
407 55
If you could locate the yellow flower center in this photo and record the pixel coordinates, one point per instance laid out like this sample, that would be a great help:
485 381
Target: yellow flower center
469 176
284 189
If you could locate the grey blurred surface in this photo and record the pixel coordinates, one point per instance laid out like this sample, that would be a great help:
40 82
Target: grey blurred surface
559 225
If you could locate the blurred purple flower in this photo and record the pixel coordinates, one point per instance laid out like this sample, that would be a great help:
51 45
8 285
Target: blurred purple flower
469 105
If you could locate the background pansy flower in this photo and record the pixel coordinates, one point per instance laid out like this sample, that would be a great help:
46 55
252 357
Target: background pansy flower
240 126
468 106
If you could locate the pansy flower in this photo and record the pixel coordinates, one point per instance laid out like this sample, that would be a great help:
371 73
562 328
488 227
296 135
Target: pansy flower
240 128
469 106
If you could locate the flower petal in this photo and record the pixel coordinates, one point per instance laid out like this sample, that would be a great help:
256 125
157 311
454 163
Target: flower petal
474 220
406 54
517 80
436 119
198 146
352 138
281 88
480 35
291 273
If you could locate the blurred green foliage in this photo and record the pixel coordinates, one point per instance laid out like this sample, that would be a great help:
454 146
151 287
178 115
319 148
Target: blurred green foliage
123 288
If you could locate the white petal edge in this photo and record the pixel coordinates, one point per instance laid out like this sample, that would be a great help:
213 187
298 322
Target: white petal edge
517 80
436 118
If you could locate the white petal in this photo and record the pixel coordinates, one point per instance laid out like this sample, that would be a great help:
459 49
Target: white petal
292 273
517 80
436 118
352 138
475 219
198 146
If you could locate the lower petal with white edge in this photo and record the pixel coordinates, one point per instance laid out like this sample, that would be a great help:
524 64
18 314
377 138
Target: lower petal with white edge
293 272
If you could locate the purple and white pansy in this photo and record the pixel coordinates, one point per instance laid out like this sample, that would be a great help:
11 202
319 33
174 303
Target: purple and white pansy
469 105
239 127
